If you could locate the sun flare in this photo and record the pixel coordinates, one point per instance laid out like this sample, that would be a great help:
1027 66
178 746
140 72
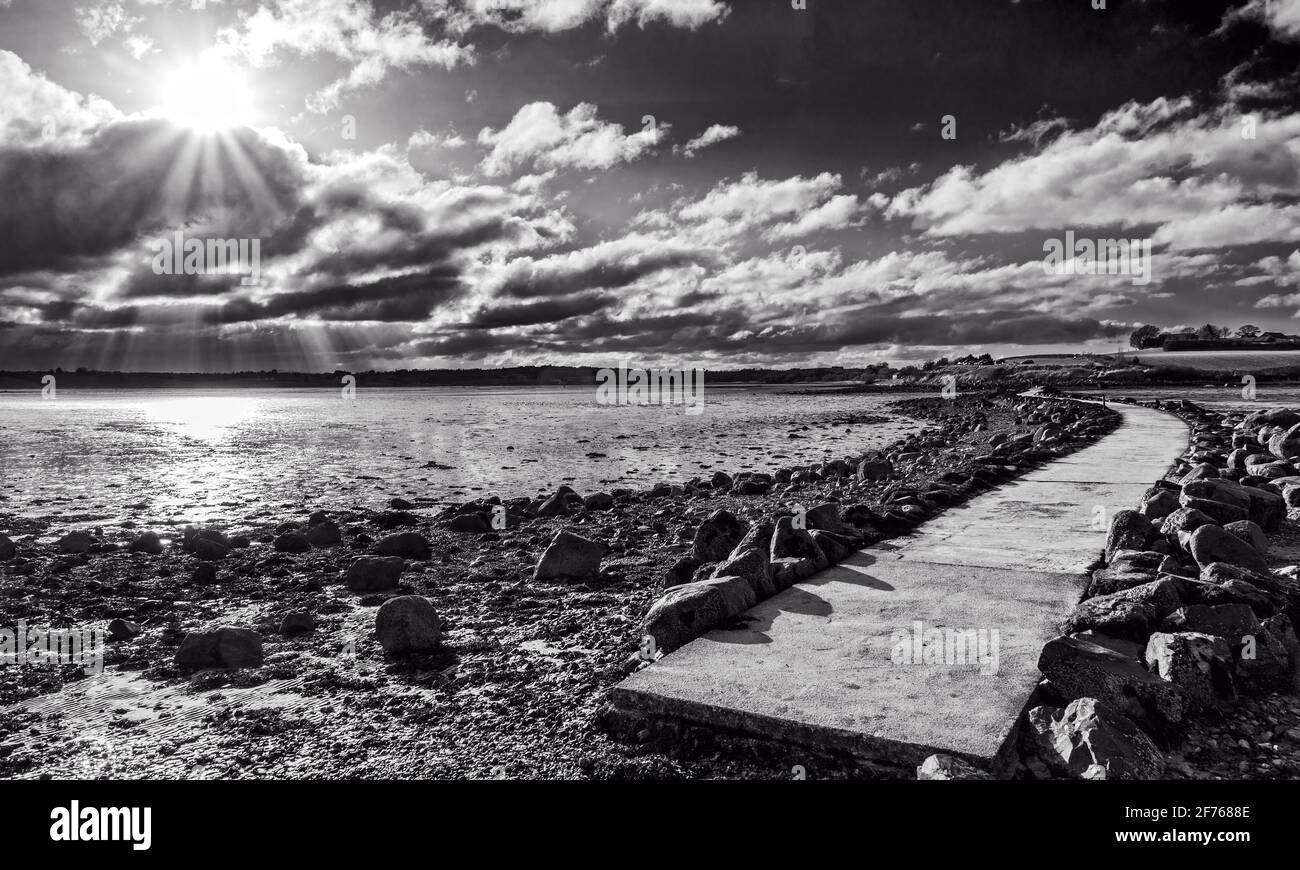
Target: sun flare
207 95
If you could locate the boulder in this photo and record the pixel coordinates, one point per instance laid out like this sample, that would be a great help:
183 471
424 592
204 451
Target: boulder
737 594
1198 664
325 533
717 536
149 543
1210 544
374 573
753 565
224 647
598 501
1179 525
1249 533
877 468
209 550
408 545
1232 622
297 622
1158 503
1277 417
1285 444
1088 734
76 542
471 523
836 547
947 767
790 542
7 548
569 556
827 518
407 624
123 629
1094 666
292 542
1129 530
683 614
1131 614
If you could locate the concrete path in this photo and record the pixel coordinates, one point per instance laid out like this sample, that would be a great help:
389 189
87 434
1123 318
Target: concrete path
851 661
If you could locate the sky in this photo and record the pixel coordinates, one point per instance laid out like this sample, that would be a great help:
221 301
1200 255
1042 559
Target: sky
716 183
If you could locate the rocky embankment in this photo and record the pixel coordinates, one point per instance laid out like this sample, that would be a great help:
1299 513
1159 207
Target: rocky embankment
1180 662
476 640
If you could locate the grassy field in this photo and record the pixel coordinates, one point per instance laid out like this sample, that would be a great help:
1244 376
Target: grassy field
1220 360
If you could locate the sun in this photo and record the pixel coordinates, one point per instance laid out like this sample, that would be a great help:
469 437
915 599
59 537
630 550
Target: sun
208 95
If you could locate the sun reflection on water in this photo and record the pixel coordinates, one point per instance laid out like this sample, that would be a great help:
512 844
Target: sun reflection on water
209 419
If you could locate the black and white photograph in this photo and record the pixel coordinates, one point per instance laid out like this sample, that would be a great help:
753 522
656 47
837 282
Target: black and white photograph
645 393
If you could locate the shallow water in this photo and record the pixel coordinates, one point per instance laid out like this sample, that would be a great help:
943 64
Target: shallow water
170 455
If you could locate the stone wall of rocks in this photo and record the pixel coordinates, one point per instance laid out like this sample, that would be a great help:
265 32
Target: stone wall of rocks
732 565
1186 612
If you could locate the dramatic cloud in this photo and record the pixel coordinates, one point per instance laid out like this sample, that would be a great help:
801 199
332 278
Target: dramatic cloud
553 16
350 30
1199 177
538 135
712 136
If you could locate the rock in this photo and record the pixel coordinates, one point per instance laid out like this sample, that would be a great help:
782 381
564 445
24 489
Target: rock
737 594
1131 614
7 548
598 501
826 517
325 533
1249 533
1211 544
1088 732
205 574
753 565
1285 444
374 573
223 647
472 523
569 556
400 504
1198 664
717 536
555 506
1283 417
1129 530
209 550
1267 508
1232 622
759 536
75 542
682 571
292 542
787 571
1094 666
878 468
790 542
407 624
408 545
297 622
149 542
947 767
836 547
683 614
1158 503
1179 525
122 629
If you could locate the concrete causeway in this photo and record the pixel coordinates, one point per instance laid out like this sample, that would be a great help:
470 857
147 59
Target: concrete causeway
816 663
